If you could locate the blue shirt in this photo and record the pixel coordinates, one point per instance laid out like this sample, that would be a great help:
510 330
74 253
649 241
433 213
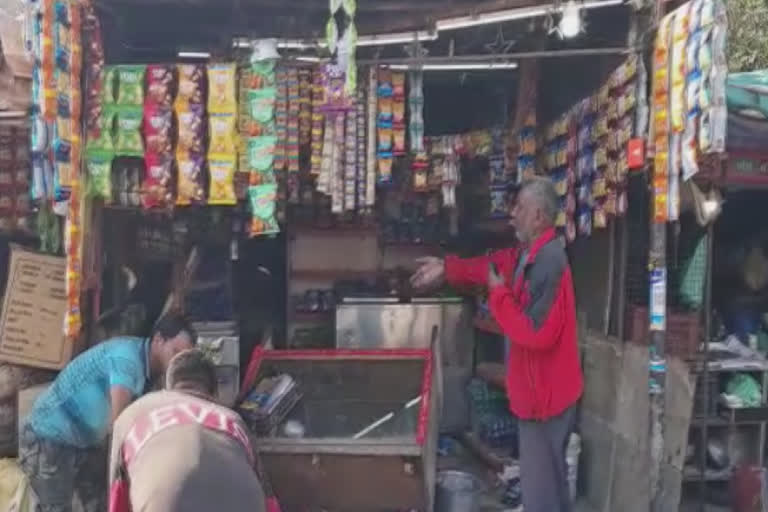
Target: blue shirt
76 409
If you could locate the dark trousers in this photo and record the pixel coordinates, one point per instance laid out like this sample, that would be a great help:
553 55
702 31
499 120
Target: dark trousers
57 471
543 470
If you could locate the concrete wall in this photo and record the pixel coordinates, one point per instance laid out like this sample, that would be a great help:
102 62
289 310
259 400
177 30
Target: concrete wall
615 466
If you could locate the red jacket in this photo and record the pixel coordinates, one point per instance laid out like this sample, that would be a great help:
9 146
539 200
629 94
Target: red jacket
537 313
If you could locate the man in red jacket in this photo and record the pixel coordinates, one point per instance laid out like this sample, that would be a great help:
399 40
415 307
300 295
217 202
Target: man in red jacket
531 297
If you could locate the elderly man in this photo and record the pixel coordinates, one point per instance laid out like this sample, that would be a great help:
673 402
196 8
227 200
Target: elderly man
61 442
178 451
531 297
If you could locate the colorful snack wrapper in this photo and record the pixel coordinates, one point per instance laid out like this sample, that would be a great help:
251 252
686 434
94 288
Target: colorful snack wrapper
190 180
222 182
99 168
222 134
131 85
160 85
191 130
191 92
222 80
156 190
262 199
157 128
128 137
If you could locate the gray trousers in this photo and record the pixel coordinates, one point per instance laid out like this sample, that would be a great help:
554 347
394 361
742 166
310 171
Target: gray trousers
543 470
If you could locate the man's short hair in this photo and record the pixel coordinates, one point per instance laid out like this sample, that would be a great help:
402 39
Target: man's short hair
171 325
543 190
192 369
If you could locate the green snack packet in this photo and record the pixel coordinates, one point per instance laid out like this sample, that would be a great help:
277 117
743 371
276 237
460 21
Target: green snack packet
108 91
263 202
102 143
99 168
261 104
130 90
261 153
128 139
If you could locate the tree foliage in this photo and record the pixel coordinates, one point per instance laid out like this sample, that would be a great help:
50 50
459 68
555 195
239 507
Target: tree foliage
747 35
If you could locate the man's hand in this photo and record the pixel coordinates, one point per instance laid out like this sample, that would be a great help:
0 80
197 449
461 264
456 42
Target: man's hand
431 273
494 278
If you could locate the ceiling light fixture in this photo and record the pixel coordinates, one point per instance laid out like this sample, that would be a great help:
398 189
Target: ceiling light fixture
458 66
570 20
194 55
512 14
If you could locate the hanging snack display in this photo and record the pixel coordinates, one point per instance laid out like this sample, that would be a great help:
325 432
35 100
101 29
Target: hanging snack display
264 130
416 111
688 98
398 114
362 149
371 162
222 146
585 154
497 175
384 126
318 123
190 147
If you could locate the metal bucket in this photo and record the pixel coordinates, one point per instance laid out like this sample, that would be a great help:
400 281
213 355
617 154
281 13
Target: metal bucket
457 491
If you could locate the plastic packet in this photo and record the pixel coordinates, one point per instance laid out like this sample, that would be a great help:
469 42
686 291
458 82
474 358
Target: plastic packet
100 138
191 130
131 85
222 79
259 75
189 188
262 200
221 190
156 190
128 135
260 153
190 89
499 206
260 112
160 85
222 134
157 128
99 168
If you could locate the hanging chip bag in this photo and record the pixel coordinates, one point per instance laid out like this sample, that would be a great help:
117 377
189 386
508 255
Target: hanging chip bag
222 134
130 89
263 200
222 182
222 80
128 137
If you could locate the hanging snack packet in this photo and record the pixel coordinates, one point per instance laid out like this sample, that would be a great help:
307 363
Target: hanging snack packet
191 78
222 134
260 112
100 139
263 205
160 85
157 128
259 75
222 183
130 90
156 190
99 167
222 79
191 130
190 181
128 138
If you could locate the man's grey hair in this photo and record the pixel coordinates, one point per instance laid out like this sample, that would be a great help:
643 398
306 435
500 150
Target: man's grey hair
543 191
192 370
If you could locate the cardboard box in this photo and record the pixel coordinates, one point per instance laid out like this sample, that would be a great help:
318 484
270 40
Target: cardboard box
32 318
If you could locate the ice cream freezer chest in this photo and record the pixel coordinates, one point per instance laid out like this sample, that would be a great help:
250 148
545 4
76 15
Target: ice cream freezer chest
363 437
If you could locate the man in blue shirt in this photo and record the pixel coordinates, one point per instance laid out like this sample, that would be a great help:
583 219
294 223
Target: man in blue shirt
61 442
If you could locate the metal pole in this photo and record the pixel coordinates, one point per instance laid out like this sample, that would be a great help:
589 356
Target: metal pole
705 373
543 54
